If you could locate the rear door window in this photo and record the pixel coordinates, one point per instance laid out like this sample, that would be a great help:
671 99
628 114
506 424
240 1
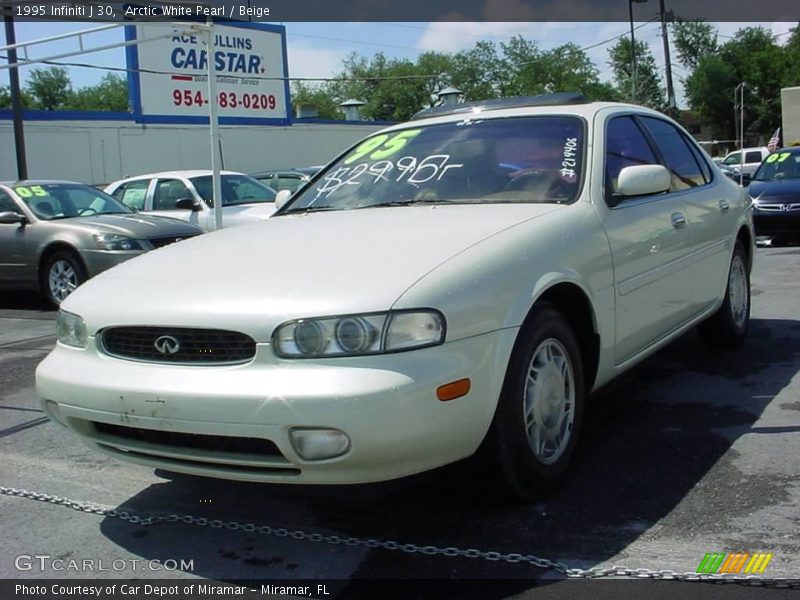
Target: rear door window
681 162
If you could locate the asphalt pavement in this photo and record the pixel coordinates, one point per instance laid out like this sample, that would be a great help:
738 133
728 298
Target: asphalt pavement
689 453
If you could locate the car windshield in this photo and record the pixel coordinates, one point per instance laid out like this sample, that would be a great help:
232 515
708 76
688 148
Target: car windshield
50 201
236 189
779 165
476 161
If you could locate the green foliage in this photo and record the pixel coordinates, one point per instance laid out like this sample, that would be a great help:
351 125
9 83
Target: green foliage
316 96
111 94
5 98
49 88
648 90
395 89
754 57
693 40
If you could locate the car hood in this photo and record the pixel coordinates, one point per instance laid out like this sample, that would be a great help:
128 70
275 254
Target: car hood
254 277
784 190
135 225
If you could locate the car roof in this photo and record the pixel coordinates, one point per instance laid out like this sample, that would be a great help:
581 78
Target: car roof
185 174
297 171
24 182
586 110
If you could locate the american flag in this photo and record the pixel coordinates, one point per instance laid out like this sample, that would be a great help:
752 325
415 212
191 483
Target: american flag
775 140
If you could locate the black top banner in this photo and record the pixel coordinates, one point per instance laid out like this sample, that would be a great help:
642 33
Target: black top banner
404 10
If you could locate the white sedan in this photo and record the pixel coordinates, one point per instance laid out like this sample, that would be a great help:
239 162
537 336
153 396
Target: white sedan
462 281
188 195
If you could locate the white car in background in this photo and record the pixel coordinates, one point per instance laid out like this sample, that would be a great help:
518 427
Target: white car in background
188 195
460 281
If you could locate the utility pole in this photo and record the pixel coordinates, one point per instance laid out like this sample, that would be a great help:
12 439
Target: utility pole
633 48
16 99
671 104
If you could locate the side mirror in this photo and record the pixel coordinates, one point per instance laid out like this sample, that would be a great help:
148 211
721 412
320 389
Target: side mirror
187 204
282 198
11 217
643 180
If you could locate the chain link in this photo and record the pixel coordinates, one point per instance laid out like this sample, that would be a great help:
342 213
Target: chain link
371 543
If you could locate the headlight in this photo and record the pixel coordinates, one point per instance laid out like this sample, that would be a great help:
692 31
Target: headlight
359 335
113 241
71 330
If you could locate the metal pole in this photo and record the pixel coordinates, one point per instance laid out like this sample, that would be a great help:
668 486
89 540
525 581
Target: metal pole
213 116
16 101
633 53
667 61
741 133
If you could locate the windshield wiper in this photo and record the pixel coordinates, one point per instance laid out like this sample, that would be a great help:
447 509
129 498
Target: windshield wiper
413 203
306 209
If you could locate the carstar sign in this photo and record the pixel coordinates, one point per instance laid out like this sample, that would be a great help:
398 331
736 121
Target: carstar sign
169 79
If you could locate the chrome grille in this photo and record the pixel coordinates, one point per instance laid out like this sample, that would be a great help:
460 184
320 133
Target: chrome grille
166 241
786 207
178 345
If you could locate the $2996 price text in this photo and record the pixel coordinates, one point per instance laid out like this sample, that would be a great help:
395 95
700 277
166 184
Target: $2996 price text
248 101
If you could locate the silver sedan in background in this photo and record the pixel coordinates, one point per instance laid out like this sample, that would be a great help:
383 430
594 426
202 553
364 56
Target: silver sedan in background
54 235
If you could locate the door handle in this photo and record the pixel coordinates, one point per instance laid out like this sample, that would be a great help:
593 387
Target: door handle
678 220
724 205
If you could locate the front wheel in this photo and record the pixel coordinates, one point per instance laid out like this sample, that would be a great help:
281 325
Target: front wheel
727 328
63 272
535 428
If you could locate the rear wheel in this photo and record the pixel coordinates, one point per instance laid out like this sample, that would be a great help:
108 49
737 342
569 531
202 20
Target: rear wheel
539 413
727 328
63 272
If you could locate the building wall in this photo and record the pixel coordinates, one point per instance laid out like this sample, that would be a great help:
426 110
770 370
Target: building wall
790 106
101 151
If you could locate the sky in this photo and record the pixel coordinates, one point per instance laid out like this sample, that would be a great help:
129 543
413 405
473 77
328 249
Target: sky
316 50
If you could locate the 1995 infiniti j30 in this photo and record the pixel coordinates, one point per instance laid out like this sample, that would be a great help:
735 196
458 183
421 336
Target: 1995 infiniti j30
461 280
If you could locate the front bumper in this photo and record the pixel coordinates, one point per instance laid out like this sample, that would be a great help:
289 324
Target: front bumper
97 261
386 405
772 224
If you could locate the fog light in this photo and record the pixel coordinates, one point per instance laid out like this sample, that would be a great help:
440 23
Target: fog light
54 411
319 444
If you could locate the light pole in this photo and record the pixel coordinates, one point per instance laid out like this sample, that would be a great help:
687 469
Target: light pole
633 48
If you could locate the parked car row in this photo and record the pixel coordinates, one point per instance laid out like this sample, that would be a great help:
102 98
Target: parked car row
54 235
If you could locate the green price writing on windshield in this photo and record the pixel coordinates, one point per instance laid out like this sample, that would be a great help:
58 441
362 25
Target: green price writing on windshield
382 146
777 157
27 192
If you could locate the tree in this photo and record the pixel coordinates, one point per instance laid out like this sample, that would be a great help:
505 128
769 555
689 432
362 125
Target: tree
693 40
648 87
111 94
792 59
709 91
751 57
317 96
49 88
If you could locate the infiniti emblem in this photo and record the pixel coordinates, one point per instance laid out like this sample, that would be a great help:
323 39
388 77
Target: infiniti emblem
166 344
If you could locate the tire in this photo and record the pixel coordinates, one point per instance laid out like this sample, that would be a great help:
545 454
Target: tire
533 452
63 272
727 328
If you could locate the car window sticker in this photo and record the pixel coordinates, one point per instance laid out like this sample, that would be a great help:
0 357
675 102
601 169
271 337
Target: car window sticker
382 146
570 162
28 191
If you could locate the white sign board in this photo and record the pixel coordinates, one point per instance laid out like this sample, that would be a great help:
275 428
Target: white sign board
170 82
